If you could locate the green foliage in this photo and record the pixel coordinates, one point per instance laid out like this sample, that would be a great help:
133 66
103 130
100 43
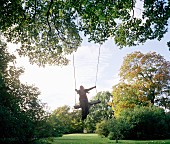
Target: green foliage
127 96
117 129
64 121
45 29
22 113
145 123
99 111
114 129
50 30
168 123
76 124
103 19
102 128
138 123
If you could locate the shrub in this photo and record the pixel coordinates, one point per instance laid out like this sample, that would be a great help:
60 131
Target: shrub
145 123
102 128
117 128
111 136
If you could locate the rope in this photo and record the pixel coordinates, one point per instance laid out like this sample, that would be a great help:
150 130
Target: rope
74 77
97 66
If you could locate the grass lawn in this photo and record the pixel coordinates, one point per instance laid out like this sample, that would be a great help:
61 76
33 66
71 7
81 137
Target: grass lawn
95 139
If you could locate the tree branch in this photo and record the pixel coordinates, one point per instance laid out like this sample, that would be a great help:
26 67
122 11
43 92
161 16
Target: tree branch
132 8
35 8
48 13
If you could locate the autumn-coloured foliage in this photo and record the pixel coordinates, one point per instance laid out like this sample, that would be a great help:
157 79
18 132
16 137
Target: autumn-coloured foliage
144 79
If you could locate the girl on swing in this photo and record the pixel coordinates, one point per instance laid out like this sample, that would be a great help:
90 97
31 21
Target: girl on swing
84 100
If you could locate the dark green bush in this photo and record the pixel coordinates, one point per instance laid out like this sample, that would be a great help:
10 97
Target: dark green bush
145 123
138 123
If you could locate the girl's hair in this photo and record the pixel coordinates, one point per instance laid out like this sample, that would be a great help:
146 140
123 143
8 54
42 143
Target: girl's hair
81 87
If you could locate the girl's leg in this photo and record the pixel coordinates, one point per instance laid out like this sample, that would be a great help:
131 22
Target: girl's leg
85 108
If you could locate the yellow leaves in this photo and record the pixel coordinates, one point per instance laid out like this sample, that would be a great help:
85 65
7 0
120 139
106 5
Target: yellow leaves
109 103
160 77
138 70
143 60
142 98
127 96
121 106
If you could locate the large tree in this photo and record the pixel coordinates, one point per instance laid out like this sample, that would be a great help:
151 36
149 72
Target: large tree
22 113
144 78
49 30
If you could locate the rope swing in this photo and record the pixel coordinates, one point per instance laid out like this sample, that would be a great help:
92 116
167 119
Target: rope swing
97 67
74 77
98 60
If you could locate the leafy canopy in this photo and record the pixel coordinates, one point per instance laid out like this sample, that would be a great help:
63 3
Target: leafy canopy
50 30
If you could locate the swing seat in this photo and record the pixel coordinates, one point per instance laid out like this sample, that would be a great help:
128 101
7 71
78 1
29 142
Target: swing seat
90 104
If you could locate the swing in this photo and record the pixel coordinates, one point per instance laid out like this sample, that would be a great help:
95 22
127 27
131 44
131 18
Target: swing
91 102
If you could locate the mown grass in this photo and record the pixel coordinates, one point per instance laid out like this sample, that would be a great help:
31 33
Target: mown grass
95 139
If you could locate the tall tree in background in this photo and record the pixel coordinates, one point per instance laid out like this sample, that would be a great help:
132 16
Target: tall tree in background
66 121
150 71
50 30
99 112
144 77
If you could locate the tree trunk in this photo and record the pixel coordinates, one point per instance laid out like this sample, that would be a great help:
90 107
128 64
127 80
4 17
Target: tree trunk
116 140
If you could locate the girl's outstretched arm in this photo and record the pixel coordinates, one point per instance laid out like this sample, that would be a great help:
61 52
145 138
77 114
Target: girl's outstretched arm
90 88
77 90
